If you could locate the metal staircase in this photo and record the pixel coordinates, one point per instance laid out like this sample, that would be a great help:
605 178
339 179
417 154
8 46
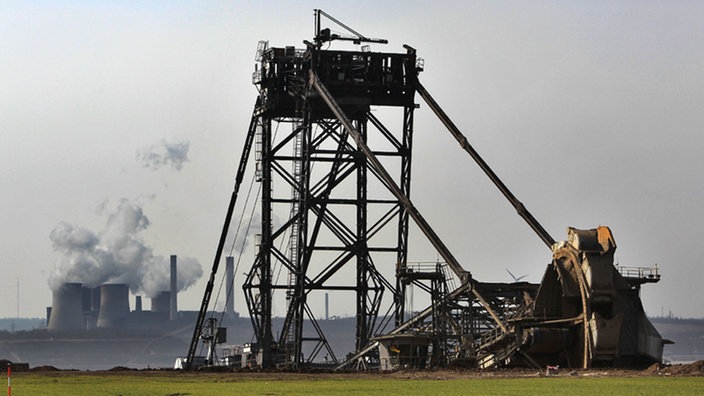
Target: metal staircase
495 346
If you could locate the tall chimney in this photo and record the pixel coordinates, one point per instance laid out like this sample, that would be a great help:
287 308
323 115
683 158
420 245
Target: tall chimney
138 303
174 286
230 293
114 304
67 308
327 317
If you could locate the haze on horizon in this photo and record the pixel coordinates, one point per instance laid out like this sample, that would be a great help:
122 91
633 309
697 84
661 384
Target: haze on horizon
590 112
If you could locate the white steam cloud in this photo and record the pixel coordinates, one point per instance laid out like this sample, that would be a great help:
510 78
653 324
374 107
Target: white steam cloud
117 254
244 232
164 153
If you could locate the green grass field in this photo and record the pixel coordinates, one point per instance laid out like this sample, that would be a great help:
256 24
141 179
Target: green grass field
77 383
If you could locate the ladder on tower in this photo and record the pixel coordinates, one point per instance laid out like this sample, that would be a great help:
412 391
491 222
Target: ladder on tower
294 238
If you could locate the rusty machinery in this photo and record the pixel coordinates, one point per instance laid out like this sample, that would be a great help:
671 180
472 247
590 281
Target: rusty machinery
346 218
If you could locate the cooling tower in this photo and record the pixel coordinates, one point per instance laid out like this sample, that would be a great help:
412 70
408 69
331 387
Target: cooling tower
67 308
230 284
162 302
173 307
114 304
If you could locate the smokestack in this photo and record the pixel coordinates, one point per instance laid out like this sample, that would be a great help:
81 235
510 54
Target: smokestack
114 304
67 308
230 293
138 304
162 302
174 290
327 317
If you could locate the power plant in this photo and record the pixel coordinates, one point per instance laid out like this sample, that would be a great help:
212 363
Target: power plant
332 136
93 326
75 307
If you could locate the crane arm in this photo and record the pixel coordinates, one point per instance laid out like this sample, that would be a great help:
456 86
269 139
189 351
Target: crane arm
323 35
223 236
462 140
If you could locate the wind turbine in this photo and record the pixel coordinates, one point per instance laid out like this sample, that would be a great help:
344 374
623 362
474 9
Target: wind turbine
514 277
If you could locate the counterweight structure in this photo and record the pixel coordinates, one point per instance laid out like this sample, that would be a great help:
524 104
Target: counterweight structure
335 178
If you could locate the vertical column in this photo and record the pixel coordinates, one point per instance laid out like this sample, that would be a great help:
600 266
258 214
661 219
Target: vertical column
300 262
265 337
230 284
363 330
405 185
173 307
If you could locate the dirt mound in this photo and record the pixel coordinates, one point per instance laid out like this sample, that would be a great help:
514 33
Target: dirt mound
44 368
686 369
121 368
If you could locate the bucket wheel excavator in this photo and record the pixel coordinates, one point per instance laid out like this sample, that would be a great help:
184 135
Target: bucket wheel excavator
335 214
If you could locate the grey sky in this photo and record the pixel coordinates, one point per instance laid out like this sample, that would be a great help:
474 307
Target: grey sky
589 111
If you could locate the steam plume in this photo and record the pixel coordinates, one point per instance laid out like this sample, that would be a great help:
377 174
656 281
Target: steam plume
116 254
156 279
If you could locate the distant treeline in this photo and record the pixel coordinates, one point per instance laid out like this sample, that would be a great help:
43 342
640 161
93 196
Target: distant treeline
16 324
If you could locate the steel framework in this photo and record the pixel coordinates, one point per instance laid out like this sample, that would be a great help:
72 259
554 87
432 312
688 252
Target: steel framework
332 222
320 178
334 218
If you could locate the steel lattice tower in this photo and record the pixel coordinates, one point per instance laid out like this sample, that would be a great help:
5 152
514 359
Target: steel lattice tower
318 175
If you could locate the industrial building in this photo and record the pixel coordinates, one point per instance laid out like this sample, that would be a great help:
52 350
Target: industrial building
77 307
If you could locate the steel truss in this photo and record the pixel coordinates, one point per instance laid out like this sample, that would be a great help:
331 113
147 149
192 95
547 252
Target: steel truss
320 179
328 96
318 218
334 219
